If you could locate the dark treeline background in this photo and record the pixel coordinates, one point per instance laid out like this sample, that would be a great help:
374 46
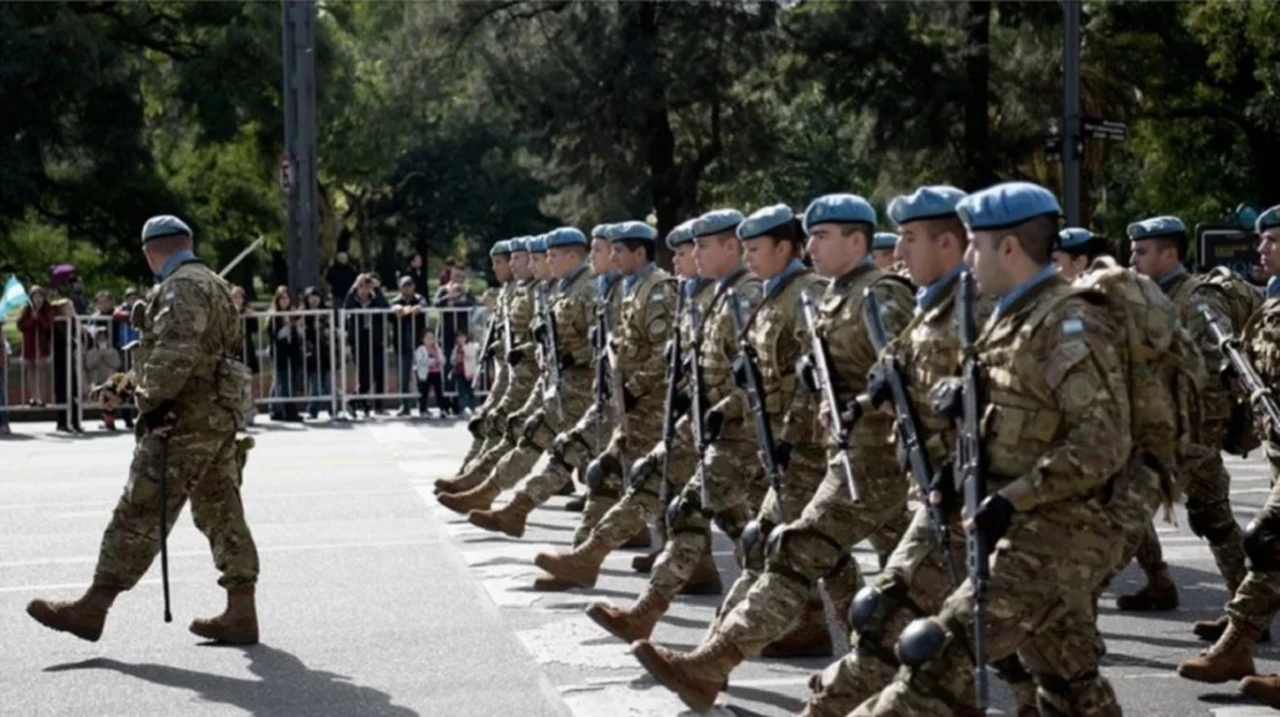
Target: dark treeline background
447 125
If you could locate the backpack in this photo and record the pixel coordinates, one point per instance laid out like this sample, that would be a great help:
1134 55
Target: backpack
1242 301
1166 371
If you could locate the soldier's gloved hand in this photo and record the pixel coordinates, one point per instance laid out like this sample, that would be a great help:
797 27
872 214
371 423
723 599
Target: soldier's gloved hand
807 373
514 357
878 385
593 336
946 398
740 368
540 332
680 403
629 400
782 455
160 421
712 424
566 361
1229 376
942 489
993 517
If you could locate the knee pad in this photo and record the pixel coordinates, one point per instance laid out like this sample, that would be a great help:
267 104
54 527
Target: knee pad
754 545
558 447
774 540
599 469
865 604
476 426
923 640
530 431
1053 695
1260 545
1197 517
673 510
640 470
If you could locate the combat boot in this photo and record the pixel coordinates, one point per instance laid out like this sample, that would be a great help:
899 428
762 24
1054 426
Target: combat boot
1160 594
580 567
705 579
509 519
810 638
459 483
1230 658
478 498
83 618
1263 689
1211 630
641 539
237 625
643 564
576 504
633 623
552 584
696 677
566 488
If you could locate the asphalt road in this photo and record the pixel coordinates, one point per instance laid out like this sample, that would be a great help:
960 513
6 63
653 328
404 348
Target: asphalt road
376 601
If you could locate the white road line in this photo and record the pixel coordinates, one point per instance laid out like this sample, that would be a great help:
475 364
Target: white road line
205 553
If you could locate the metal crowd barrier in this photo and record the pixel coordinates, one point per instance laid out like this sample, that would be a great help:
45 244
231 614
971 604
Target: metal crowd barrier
320 359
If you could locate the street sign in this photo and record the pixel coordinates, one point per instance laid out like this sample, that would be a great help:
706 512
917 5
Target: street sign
285 174
1098 128
1221 245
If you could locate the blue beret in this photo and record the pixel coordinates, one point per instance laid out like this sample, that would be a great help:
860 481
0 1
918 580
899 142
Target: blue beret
1269 219
625 231
716 221
519 244
565 236
682 234
884 240
925 203
165 225
764 220
601 230
538 244
1006 205
840 208
502 248
1074 238
1157 227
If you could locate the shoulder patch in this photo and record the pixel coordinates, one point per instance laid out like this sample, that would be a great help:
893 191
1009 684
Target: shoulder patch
1072 326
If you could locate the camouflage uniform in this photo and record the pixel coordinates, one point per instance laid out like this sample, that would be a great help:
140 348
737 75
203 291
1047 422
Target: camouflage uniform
816 540
1207 483
1055 402
639 371
916 579
485 429
185 363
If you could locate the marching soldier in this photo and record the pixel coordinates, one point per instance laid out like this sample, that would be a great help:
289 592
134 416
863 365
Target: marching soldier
641 501
1254 604
728 472
549 407
191 390
813 540
1055 434
882 250
1159 248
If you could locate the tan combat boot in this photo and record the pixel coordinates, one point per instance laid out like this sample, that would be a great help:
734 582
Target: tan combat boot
509 519
1160 594
576 504
1211 630
643 564
696 677
1230 658
580 567
810 638
705 579
478 498
460 483
83 618
634 623
552 584
641 539
1263 689
237 625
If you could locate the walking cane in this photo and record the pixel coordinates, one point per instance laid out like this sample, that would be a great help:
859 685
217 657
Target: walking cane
164 525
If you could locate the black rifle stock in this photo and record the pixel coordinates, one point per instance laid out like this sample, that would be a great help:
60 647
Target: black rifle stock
756 404
602 363
971 474
669 405
552 354
907 426
836 428
1259 396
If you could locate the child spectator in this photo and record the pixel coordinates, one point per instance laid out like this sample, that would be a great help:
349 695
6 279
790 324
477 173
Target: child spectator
466 363
36 324
100 361
428 364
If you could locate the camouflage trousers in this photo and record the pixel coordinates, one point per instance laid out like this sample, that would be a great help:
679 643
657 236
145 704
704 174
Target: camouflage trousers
507 419
542 421
1208 491
1258 598
202 468
734 483
639 433
483 425
642 500
815 546
1040 607
570 451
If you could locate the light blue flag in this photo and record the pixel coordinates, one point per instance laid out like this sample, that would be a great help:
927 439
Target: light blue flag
14 298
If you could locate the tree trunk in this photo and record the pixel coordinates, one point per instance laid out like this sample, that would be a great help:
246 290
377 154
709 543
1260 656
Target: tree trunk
977 134
660 141
1265 147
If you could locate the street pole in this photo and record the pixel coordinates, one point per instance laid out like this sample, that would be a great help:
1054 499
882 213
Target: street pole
1072 144
302 249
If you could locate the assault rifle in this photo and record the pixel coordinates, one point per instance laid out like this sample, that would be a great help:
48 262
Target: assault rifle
907 426
755 401
821 363
552 353
1255 389
601 361
669 417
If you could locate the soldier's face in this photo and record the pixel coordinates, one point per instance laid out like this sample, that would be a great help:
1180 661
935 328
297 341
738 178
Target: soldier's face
502 267
765 257
626 260
834 251
1269 251
989 254
540 268
918 252
683 262
562 261
601 262
1069 265
715 254
884 259
520 265
1152 260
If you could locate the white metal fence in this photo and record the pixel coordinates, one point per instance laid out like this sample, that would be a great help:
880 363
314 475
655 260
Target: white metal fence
337 362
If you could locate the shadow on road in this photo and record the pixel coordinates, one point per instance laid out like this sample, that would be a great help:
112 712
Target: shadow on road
285 686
